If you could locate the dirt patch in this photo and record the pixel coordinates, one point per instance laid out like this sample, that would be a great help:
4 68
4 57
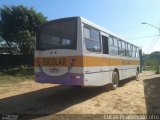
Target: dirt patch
132 97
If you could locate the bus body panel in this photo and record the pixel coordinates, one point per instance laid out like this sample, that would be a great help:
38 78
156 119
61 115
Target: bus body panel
91 77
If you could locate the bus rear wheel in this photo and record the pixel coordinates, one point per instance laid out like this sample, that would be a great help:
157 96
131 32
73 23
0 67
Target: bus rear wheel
136 76
115 80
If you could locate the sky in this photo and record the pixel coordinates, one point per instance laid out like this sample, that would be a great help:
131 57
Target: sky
123 17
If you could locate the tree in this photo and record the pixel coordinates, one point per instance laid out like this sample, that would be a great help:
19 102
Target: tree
25 42
18 25
154 55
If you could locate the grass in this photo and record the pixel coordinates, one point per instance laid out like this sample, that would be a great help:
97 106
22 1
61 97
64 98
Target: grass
150 68
16 74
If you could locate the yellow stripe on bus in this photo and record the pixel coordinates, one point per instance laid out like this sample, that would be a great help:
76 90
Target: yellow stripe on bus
82 61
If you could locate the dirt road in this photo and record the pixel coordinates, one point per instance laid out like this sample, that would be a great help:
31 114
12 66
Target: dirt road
46 100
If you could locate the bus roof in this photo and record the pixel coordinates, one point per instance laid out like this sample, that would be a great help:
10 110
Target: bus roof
100 28
59 19
85 21
92 24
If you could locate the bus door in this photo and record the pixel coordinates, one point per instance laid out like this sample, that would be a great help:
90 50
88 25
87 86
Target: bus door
105 58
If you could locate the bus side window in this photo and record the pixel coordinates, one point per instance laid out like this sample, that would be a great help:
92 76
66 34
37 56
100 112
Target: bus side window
105 44
137 52
133 52
119 44
115 42
123 48
113 46
127 49
120 51
92 39
111 41
87 32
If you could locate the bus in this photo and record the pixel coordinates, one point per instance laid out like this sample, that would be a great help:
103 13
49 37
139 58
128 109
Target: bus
77 52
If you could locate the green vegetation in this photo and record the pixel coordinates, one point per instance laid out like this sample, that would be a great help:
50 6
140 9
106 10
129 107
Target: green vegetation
151 61
148 68
18 29
18 25
17 74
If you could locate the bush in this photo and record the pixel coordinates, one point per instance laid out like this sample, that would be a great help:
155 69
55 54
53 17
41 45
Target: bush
20 70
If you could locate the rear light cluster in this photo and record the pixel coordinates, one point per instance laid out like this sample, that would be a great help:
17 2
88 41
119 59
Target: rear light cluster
75 76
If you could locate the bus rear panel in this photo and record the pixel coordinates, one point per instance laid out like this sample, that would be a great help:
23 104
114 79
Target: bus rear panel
58 55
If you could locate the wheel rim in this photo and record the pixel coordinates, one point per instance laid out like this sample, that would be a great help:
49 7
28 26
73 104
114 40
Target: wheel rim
115 80
136 75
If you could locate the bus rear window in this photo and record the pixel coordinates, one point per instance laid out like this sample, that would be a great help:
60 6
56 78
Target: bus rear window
60 34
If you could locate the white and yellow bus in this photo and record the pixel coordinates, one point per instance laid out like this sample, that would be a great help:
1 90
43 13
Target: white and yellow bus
74 51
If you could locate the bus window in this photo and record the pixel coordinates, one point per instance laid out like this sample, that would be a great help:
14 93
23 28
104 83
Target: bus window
57 35
133 51
127 49
92 39
95 35
123 45
120 51
105 44
137 55
113 49
119 44
111 41
137 52
115 42
87 33
130 50
92 45
123 51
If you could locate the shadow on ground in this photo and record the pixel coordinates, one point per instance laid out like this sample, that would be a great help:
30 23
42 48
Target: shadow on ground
152 95
47 101
125 81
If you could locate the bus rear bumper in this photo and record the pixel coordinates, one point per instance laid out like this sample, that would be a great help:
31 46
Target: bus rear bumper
70 79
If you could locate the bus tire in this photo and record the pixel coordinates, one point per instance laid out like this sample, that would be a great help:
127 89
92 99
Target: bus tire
115 80
136 76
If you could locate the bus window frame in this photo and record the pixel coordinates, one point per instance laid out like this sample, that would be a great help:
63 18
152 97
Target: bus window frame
84 39
39 30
